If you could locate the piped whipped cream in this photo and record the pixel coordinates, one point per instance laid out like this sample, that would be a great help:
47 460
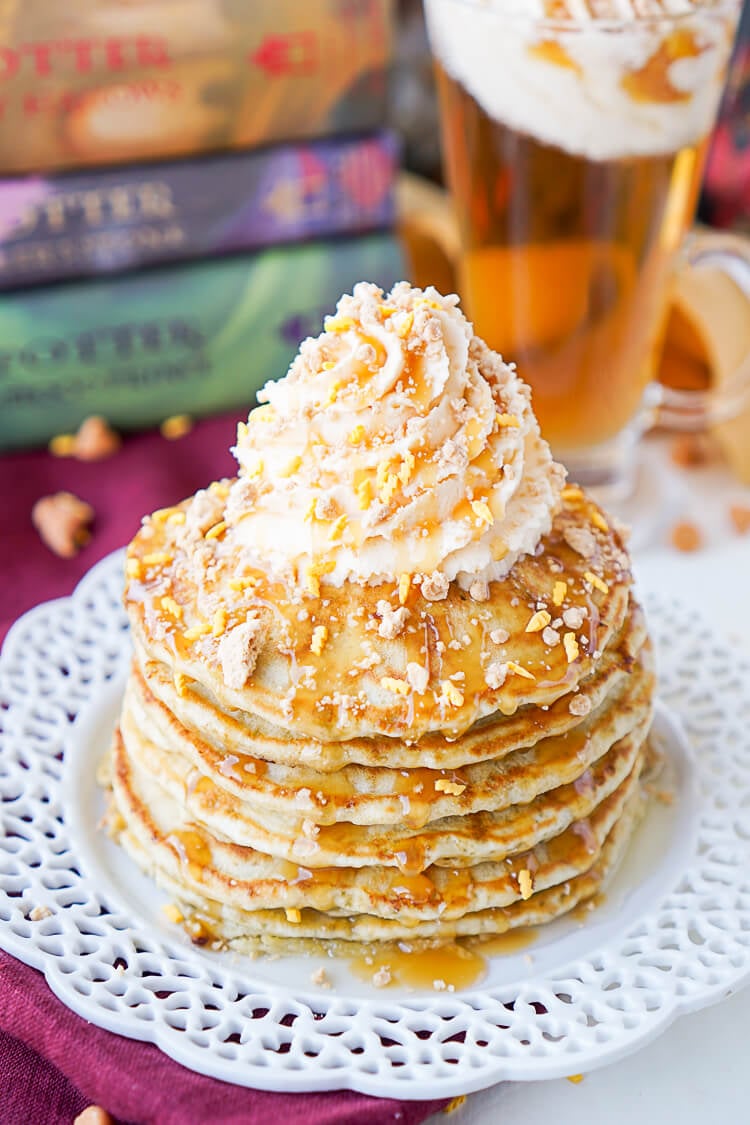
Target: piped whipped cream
398 447
648 83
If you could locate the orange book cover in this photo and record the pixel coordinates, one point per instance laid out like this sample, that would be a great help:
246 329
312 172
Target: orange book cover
92 82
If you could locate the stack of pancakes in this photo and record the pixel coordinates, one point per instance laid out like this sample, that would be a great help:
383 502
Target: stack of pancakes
282 770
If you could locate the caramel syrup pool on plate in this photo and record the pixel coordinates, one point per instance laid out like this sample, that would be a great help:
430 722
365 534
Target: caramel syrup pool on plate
448 966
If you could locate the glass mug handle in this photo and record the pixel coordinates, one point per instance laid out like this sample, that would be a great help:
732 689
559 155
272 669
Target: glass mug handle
700 409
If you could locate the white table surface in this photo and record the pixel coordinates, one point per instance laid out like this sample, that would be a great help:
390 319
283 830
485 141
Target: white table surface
698 1071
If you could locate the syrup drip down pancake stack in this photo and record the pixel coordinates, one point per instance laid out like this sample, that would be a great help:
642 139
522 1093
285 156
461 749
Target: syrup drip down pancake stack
390 684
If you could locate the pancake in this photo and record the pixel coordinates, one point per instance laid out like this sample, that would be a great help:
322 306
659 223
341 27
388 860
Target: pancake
239 732
237 876
390 684
372 795
312 694
227 925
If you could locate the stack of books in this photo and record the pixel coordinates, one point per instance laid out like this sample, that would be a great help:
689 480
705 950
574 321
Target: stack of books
186 187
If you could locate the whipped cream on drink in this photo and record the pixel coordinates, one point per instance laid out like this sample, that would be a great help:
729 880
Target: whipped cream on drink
602 79
397 444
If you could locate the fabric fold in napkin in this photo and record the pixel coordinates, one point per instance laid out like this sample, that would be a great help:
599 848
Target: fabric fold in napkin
53 1063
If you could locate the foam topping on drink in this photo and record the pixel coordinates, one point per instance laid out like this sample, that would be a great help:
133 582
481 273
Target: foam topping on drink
644 87
398 445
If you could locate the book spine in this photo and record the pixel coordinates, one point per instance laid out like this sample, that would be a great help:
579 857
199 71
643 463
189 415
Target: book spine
94 82
726 187
196 338
78 224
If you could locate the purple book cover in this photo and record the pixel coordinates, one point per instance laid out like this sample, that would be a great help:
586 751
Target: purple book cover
76 224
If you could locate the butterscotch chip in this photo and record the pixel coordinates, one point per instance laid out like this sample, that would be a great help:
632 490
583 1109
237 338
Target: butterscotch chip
62 521
525 883
176 426
686 536
740 517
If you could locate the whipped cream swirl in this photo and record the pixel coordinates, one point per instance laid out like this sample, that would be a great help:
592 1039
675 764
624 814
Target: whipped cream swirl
398 444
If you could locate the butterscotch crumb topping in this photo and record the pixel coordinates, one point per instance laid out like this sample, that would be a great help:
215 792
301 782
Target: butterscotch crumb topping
575 1078
398 687
574 617
599 521
196 631
181 682
319 638
525 883
217 530
404 586
540 620
238 651
452 788
597 582
291 467
134 568
435 587
495 675
418 677
392 621
219 622
364 494
580 705
170 606
580 540
173 913
509 420
570 644
157 558
481 510
452 695
572 494
559 591
517 670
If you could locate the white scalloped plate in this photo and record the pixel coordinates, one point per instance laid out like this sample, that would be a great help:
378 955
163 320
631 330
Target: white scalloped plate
673 934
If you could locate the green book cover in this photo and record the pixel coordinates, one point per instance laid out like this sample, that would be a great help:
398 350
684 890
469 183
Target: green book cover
197 338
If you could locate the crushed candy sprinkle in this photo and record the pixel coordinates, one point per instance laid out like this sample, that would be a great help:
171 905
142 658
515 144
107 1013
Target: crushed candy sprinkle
559 591
540 620
597 582
570 644
319 638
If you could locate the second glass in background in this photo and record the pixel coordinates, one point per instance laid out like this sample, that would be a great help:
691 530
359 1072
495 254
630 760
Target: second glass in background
574 146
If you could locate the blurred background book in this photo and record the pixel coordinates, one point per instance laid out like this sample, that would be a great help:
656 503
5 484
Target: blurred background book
186 149
216 134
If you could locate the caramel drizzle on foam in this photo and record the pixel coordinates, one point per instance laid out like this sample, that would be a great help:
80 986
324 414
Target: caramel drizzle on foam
651 83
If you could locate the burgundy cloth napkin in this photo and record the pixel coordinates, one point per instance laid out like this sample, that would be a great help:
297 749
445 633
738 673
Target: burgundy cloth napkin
53 1063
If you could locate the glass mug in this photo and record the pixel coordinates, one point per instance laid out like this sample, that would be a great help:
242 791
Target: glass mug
574 138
